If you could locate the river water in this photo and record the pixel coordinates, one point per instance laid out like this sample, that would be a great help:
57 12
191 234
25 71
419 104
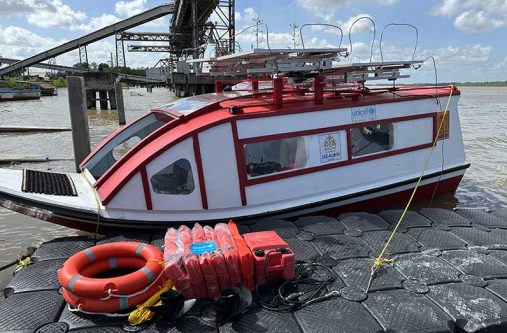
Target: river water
483 118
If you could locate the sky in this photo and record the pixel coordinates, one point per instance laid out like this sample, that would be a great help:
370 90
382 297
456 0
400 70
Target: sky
467 38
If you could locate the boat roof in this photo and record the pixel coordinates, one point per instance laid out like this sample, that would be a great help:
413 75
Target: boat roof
185 106
217 111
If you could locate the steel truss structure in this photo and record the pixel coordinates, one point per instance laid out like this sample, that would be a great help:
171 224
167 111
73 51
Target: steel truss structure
143 36
224 29
83 55
80 43
149 48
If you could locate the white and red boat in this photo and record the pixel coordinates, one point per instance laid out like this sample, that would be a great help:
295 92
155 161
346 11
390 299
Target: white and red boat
311 143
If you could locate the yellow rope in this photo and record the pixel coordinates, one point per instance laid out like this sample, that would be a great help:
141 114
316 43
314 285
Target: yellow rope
97 201
380 260
143 313
22 263
160 262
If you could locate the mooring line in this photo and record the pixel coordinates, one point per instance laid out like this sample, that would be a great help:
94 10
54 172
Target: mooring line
380 260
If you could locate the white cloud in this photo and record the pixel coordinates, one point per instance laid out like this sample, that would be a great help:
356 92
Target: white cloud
474 15
96 23
10 7
447 8
326 9
248 16
43 13
19 43
17 36
56 14
458 63
360 25
130 8
480 21
127 9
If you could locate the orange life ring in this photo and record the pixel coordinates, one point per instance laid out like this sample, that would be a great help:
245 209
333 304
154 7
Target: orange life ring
77 273
112 304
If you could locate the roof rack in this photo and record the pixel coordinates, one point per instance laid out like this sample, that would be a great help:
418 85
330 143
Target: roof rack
371 71
296 62
271 61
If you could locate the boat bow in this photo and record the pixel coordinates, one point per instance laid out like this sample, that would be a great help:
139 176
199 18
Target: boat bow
45 195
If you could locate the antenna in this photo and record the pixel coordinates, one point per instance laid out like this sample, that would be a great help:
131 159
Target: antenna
258 22
294 27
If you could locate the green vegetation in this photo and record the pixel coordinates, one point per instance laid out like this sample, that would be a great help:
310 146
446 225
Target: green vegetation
481 84
103 67
11 82
60 82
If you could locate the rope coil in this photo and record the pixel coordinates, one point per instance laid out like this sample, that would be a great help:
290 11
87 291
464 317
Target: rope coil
142 291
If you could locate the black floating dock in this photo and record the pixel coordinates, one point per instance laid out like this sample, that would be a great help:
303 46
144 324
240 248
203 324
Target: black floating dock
449 275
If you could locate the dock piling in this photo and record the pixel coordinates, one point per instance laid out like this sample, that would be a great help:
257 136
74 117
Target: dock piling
90 99
103 100
112 98
119 103
78 119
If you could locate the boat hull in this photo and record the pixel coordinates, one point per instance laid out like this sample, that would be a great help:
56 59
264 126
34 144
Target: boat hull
19 95
393 196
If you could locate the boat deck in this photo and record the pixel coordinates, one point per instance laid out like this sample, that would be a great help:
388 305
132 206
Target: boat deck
449 275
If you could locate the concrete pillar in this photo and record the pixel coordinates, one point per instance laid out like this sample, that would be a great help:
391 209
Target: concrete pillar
103 99
112 99
78 119
90 99
119 102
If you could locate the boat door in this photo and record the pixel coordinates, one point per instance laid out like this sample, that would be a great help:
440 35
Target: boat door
217 153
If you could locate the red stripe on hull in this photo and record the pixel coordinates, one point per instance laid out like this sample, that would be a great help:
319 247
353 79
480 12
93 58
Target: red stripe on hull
396 200
399 200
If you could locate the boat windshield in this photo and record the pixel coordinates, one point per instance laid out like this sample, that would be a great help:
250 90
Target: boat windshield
188 105
125 140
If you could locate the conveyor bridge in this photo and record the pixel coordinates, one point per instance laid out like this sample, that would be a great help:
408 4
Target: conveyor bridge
188 29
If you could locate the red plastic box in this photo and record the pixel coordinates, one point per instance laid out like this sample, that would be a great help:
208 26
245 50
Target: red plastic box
268 246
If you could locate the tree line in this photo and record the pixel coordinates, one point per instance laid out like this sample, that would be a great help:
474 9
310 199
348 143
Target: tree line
103 67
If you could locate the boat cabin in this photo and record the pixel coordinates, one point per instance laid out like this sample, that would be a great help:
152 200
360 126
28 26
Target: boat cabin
240 150
323 142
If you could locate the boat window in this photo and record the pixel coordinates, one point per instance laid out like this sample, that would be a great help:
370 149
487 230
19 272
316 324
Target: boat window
124 141
264 158
371 139
125 146
190 104
177 179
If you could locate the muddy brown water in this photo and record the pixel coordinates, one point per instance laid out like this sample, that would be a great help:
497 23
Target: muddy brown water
483 114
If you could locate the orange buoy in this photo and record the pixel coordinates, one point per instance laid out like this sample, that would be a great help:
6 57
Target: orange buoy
83 291
111 304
